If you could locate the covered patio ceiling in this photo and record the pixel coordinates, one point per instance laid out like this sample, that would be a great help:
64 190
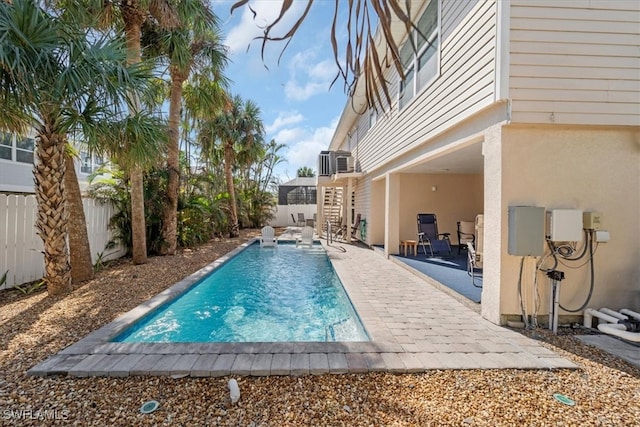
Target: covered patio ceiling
464 160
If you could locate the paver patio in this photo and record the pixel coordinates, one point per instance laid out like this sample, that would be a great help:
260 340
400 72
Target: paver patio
413 326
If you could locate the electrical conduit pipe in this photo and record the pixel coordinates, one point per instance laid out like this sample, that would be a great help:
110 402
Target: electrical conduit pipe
613 313
619 331
590 313
613 327
630 313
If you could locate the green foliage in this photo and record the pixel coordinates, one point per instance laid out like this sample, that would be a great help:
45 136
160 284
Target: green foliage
113 188
3 279
100 261
256 206
29 288
155 185
305 171
202 209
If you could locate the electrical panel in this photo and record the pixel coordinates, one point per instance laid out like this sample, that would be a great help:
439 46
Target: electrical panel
592 221
564 225
526 230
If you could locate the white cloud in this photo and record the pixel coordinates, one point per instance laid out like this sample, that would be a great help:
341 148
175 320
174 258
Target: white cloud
292 135
305 145
309 78
284 119
243 34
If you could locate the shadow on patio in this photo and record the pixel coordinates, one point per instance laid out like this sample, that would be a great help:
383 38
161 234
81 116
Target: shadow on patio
449 271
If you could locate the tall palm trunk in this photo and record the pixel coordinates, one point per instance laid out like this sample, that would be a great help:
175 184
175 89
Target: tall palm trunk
133 19
234 231
169 217
48 172
138 225
79 249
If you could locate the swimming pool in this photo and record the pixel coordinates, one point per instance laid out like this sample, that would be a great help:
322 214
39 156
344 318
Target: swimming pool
281 294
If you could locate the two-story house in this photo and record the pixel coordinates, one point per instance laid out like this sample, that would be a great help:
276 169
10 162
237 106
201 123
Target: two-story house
16 163
21 257
504 103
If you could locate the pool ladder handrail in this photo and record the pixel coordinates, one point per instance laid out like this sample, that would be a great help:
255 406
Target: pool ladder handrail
332 329
329 235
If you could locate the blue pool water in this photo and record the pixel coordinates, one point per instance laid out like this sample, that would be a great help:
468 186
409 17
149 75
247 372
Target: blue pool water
282 294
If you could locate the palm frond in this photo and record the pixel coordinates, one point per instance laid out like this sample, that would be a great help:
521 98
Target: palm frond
367 54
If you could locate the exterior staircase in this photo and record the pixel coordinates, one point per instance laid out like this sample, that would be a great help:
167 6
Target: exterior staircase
332 207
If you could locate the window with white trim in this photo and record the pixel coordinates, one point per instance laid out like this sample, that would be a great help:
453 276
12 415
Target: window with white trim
6 146
90 162
373 117
24 149
420 58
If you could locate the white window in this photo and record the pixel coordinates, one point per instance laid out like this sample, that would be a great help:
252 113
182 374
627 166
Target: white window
373 117
24 150
353 139
85 158
90 162
419 55
6 146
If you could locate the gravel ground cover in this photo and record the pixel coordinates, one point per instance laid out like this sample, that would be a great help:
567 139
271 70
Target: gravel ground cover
606 390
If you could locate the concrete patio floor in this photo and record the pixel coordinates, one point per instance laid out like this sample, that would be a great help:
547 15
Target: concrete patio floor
414 326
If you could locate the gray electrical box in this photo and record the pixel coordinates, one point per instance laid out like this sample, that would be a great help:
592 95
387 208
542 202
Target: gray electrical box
526 230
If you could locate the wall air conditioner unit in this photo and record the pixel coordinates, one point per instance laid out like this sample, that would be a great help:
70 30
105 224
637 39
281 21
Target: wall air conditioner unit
344 164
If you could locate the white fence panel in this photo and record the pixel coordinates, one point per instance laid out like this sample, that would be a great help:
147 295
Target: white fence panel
21 248
282 214
97 216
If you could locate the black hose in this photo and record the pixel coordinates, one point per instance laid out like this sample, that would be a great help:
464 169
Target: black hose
584 250
522 309
591 285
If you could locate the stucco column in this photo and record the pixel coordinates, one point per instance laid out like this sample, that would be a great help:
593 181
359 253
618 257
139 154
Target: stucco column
349 212
319 208
392 214
494 225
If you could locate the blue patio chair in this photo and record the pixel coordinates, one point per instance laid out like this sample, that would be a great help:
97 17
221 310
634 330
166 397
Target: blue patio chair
428 236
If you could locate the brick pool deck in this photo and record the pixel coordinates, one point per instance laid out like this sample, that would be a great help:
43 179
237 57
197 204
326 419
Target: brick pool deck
414 326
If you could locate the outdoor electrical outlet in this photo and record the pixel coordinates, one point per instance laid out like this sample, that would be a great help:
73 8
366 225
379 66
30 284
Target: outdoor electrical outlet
592 220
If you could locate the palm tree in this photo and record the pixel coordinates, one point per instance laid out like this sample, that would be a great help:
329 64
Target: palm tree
127 16
52 78
271 160
236 128
79 249
305 171
193 47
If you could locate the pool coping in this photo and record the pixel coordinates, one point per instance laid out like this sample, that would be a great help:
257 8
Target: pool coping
391 348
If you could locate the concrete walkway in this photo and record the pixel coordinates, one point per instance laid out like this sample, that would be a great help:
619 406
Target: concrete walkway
413 325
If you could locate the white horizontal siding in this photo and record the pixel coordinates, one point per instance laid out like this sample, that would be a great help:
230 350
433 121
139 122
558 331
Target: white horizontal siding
363 203
575 62
465 85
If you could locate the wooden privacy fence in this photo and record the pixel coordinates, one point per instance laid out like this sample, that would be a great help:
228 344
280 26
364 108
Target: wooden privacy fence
21 248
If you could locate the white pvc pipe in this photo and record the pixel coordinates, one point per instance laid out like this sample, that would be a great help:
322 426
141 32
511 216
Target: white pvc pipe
630 313
590 313
613 313
619 331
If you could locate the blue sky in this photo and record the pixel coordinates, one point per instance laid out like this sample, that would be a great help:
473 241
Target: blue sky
299 109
